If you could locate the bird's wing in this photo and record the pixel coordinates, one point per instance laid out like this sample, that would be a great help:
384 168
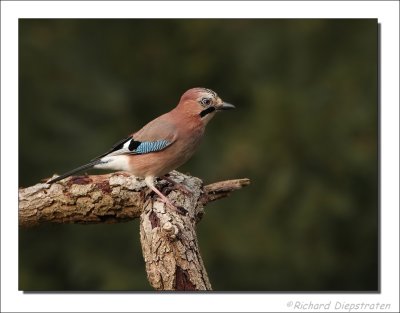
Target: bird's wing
155 136
116 147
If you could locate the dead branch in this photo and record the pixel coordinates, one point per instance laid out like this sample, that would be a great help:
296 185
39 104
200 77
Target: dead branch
169 241
110 198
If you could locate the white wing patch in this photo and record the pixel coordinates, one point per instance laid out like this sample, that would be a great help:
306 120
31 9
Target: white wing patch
116 163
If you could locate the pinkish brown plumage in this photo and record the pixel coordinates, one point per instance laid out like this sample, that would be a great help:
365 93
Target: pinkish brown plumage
163 144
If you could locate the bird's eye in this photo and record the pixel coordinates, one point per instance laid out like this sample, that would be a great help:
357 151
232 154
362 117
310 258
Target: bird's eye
205 101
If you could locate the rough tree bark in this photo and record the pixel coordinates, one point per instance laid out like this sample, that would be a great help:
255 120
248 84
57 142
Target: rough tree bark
168 237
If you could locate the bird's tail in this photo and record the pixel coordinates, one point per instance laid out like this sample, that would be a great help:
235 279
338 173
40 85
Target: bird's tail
76 170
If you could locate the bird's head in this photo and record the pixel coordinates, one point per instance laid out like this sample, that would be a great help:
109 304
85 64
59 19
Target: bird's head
202 103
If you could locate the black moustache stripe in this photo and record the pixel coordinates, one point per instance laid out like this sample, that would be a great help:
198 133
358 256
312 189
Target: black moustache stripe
206 111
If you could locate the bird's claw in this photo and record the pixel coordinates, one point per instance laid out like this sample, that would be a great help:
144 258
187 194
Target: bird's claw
179 186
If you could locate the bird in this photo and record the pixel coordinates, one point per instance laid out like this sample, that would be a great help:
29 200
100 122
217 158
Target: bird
163 144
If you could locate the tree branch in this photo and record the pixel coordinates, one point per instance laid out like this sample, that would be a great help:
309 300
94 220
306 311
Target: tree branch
169 241
110 198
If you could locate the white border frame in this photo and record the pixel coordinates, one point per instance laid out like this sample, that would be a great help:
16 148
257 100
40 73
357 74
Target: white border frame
13 300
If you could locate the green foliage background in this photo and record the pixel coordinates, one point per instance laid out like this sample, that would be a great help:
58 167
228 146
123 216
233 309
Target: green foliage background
305 132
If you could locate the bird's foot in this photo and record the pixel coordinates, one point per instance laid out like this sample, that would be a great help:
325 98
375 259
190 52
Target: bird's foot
163 198
179 186
169 204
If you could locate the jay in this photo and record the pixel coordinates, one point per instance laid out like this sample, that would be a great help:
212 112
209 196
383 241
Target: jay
163 144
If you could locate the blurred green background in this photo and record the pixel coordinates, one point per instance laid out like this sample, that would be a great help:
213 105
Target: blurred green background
305 132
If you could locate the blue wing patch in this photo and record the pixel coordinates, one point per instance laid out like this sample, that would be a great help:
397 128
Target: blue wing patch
150 146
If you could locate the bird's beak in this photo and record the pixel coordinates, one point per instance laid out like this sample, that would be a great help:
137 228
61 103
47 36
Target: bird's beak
225 106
